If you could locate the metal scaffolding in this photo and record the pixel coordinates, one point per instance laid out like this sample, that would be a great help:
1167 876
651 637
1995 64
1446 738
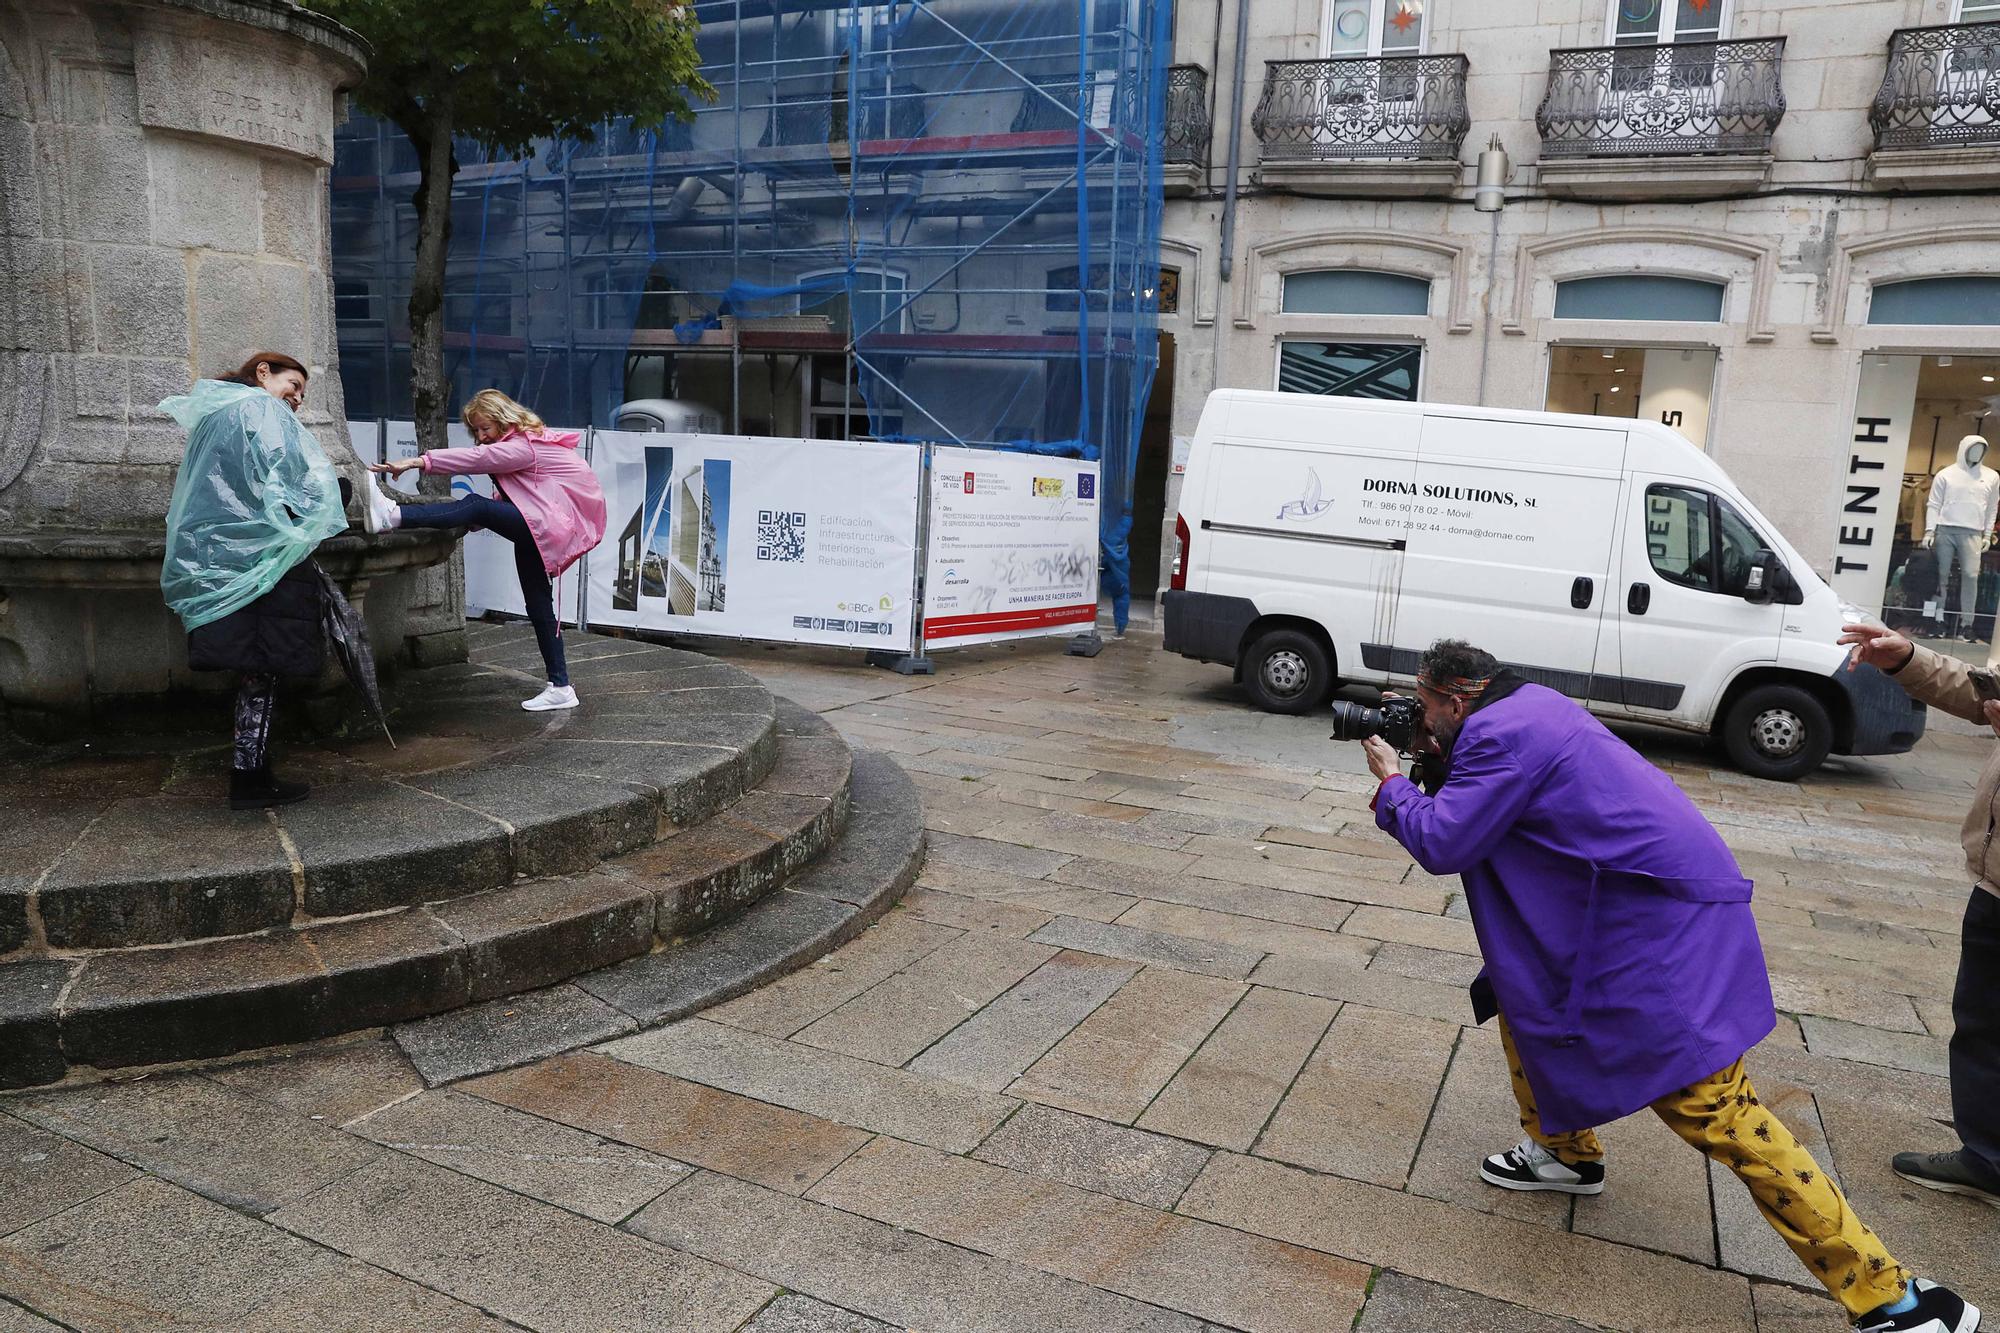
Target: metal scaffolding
924 220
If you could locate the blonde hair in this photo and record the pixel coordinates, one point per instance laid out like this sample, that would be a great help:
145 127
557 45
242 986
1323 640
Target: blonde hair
496 407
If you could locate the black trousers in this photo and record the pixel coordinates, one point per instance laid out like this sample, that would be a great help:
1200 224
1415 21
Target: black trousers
1975 1041
503 519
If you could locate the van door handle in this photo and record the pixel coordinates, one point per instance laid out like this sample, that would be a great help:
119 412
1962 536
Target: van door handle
1639 598
1581 592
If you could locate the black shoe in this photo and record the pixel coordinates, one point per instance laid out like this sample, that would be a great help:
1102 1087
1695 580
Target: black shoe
1949 1173
1937 1311
1528 1166
257 789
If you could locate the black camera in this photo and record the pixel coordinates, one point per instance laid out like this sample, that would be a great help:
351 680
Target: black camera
1396 721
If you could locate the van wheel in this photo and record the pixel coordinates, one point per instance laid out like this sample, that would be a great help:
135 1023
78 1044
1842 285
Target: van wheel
1779 732
1287 671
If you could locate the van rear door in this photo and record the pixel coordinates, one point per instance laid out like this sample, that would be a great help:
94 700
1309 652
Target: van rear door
1512 526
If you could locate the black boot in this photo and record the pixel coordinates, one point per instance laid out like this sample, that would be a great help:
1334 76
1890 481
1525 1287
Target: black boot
257 789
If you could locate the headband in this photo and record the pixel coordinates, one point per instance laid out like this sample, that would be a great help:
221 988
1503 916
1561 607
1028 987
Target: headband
1466 687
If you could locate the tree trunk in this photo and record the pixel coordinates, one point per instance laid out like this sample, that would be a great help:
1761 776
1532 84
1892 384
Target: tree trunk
429 392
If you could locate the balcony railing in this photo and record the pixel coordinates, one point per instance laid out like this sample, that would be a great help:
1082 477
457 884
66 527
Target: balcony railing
1187 115
1942 88
1682 97
1405 107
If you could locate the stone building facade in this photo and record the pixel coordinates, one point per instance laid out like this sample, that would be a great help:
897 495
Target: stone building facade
1770 223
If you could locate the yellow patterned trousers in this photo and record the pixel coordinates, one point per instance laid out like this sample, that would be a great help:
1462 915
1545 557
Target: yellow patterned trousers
1722 1117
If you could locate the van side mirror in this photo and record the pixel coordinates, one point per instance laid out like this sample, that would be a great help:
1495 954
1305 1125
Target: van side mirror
1762 582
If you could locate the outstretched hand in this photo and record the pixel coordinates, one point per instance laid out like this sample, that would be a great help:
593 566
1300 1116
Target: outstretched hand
1875 646
398 466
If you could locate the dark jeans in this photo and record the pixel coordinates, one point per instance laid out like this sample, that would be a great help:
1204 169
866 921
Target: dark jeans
1975 1040
498 516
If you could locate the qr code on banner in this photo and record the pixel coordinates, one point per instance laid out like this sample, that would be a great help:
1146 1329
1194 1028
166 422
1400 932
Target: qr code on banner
781 536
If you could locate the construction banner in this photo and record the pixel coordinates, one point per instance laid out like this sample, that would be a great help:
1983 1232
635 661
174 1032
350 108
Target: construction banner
791 541
1012 547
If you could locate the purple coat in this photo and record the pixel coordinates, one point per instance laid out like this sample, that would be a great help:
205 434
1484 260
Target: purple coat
1614 922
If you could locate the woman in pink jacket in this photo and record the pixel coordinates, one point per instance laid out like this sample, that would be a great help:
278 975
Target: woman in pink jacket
546 501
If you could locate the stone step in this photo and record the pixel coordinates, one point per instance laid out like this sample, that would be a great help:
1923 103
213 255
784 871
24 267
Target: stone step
477 795
128 1007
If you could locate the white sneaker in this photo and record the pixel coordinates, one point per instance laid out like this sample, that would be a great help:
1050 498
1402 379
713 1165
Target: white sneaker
1529 1166
381 514
551 698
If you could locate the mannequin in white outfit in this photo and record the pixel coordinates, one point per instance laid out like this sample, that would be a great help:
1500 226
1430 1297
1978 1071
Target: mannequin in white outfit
1958 525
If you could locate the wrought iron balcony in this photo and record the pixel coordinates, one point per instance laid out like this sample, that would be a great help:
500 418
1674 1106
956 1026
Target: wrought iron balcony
1671 99
1187 115
1942 88
1404 107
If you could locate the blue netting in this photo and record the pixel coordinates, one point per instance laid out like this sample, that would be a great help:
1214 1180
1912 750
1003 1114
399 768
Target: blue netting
922 220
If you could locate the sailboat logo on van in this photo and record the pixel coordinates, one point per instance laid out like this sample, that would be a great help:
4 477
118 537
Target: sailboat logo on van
1308 505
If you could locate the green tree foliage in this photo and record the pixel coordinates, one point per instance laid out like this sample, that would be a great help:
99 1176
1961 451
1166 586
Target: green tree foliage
505 73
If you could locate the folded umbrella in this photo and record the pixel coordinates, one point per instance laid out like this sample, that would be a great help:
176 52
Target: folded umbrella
349 636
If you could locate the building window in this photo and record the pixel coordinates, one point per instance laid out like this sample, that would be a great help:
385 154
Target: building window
1643 296
1645 22
1937 300
870 303
1354 291
1670 385
1388 371
1372 28
1168 293
1979 11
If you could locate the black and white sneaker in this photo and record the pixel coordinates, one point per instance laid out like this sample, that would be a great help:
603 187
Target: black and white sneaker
1937 1311
1528 1166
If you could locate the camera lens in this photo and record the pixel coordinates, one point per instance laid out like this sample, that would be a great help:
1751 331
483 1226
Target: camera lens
1356 722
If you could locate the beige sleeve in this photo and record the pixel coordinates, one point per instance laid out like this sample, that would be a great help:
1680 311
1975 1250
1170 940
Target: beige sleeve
1940 681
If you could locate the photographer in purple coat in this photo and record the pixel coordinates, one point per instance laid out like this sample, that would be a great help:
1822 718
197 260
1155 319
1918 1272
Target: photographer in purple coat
1622 962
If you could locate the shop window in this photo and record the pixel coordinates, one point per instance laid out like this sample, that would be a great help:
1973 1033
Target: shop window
1670 385
1936 301
1389 371
1641 296
1355 291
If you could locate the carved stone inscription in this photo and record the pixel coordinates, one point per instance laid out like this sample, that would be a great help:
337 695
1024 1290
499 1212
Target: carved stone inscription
240 92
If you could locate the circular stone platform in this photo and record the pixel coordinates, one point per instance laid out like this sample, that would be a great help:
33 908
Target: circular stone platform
493 850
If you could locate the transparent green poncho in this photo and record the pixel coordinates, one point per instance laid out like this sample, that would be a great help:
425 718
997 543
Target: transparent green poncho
255 495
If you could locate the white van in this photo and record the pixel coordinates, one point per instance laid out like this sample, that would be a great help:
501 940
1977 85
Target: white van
1323 540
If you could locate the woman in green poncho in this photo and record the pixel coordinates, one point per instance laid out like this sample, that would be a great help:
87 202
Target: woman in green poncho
255 495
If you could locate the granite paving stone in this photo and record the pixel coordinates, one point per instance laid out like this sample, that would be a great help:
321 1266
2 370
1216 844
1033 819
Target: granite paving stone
1551 1272
993 1047
1337 980
1344 886
334 1081
1871 1045
1115 1062
1122 1247
1421 964
1246 932
965 913
509 1031
554 1163
987 854
1430 932
1473 1117
42 1173
816 990
1656 1193
216 1141
1207 957
523 1260
891 1022
1359 1106
793 1313
15 1319
150 1255
1057 895
1091 1154
883 1271
1789 1310
738 1136
822 1083
1248 900
1400 1304
1226 1091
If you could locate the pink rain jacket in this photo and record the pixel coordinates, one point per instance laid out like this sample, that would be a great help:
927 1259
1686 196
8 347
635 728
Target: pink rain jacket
547 480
